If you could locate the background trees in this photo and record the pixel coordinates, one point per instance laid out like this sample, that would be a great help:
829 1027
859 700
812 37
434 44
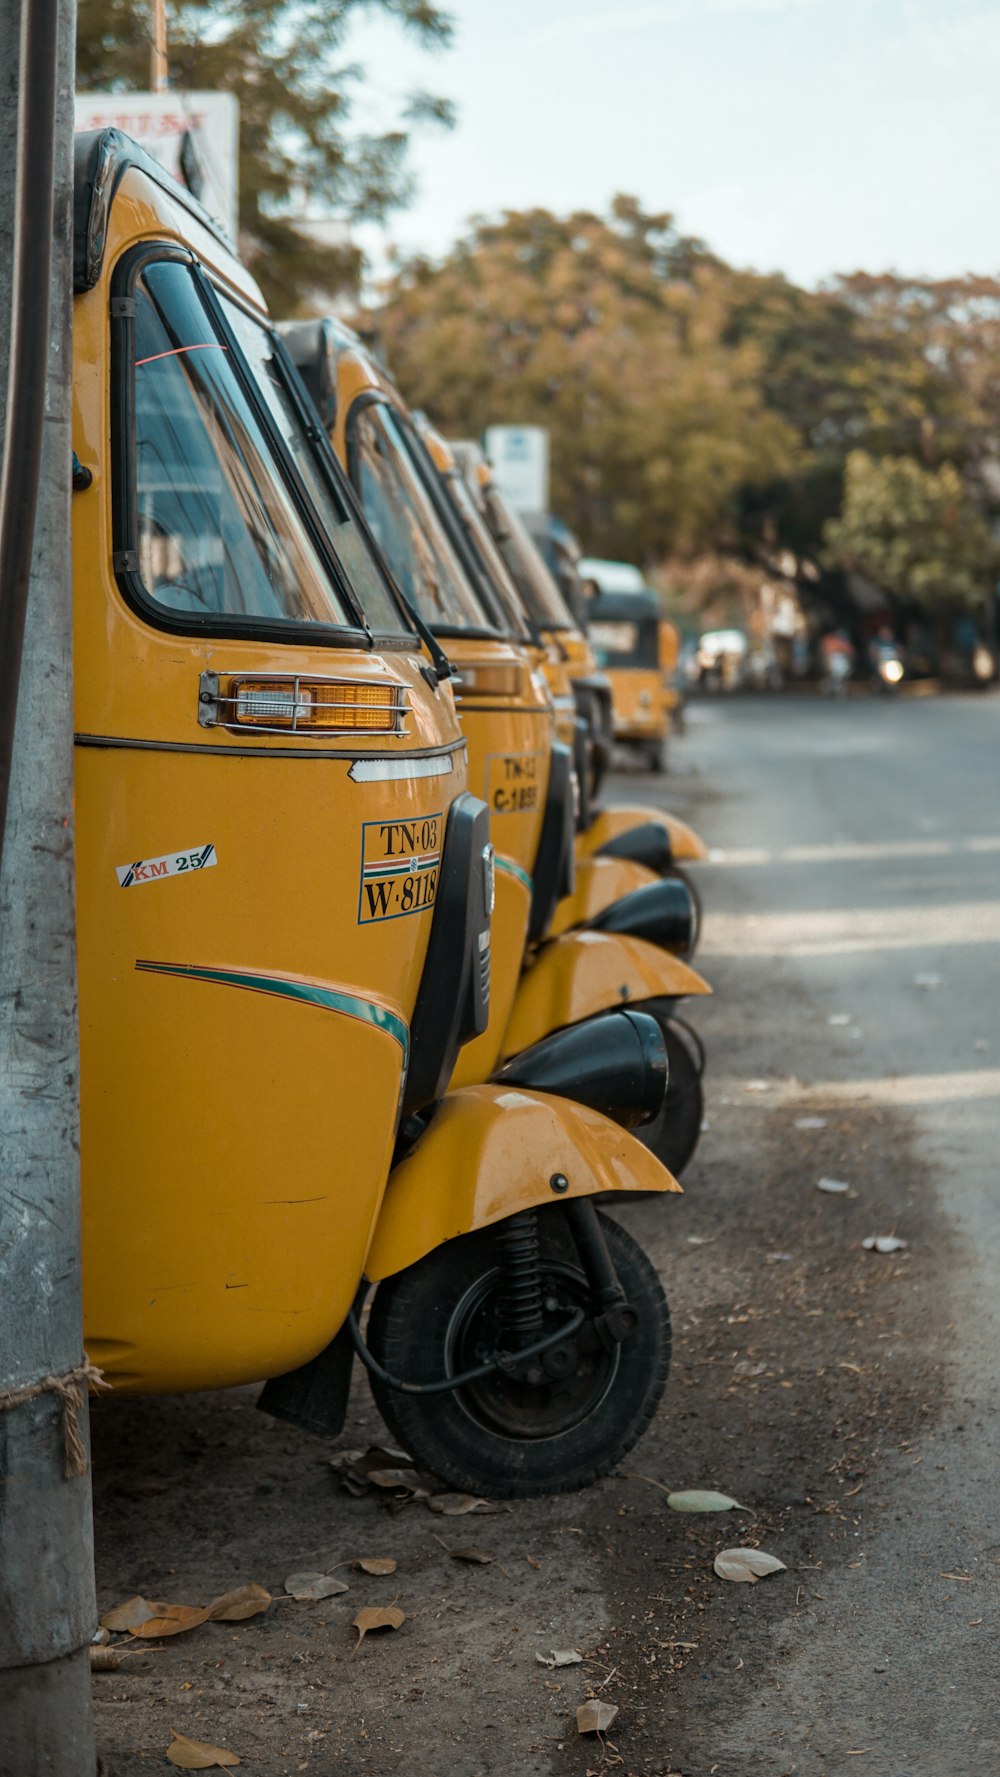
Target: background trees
915 532
723 422
282 60
612 332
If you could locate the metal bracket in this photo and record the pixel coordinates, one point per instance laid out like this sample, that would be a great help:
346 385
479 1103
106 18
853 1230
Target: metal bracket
123 308
208 700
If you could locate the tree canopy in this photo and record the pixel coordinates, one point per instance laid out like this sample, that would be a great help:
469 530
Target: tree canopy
913 531
610 331
283 61
709 416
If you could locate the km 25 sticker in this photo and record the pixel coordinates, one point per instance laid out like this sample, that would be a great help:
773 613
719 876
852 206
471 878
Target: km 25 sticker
172 863
513 782
400 864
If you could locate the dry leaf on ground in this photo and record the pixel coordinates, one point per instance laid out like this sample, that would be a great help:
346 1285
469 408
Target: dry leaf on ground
308 1587
171 1619
560 1656
455 1505
126 1618
381 1565
746 1565
237 1606
390 1617
394 1477
151 1621
834 1187
595 1717
698 1499
883 1243
197 1755
468 1552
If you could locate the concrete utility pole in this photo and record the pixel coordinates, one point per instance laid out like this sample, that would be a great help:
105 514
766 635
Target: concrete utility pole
47 1609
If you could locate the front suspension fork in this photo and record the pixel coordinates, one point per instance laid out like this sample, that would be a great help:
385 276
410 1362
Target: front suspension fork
522 1303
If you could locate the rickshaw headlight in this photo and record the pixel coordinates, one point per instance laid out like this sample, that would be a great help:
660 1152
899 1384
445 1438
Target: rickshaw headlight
303 704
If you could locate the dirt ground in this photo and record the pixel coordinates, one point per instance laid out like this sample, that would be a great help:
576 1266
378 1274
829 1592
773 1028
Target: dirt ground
804 1368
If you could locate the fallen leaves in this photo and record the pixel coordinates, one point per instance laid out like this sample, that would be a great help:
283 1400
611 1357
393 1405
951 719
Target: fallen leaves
563 1656
746 1566
456 1505
389 1617
197 1755
834 1187
154 1621
308 1588
396 1475
380 1565
237 1606
594 1717
692 1499
884 1243
697 1499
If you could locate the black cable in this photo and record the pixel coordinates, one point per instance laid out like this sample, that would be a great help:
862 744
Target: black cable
462 1380
28 363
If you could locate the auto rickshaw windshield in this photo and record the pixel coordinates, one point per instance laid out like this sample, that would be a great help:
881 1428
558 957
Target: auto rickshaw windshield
489 560
332 505
539 591
218 537
406 527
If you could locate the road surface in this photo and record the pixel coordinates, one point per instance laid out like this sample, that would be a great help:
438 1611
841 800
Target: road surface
847 1398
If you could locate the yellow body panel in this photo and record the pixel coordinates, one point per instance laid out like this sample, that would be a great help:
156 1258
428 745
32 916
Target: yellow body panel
610 822
599 883
637 707
491 1151
243 1029
587 972
509 741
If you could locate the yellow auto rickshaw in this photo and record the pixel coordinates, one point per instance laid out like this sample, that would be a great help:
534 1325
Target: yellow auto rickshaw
652 837
284 891
637 647
506 717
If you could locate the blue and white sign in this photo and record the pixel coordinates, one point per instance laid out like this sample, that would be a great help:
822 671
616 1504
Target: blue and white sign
520 458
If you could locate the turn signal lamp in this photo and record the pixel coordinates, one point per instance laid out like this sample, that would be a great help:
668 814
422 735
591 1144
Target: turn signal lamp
490 681
291 704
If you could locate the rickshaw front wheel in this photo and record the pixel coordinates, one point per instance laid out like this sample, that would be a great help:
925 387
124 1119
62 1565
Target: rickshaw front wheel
673 1133
513 1435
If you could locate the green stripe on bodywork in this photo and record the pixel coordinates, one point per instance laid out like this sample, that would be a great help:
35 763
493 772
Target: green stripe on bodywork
513 869
331 999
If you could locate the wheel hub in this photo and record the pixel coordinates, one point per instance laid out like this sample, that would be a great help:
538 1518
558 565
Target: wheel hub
546 1395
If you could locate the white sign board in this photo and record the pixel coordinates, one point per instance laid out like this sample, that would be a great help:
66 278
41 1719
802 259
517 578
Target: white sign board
194 136
520 458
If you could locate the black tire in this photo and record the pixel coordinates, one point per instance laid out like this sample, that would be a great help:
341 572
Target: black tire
502 1437
673 1133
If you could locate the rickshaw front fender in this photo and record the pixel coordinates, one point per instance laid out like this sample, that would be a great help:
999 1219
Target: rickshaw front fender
491 1151
608 823
586 972
599 883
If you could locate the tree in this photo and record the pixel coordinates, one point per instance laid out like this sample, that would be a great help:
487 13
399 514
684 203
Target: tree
914 532
842 378
609 331
281 60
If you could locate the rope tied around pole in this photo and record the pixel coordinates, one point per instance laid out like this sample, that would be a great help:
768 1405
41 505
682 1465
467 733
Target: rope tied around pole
69 1389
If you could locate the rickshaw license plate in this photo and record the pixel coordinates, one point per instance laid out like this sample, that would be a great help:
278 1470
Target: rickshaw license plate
513 782
400 861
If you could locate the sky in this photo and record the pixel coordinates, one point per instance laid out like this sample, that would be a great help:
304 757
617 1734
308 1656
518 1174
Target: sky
806 136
